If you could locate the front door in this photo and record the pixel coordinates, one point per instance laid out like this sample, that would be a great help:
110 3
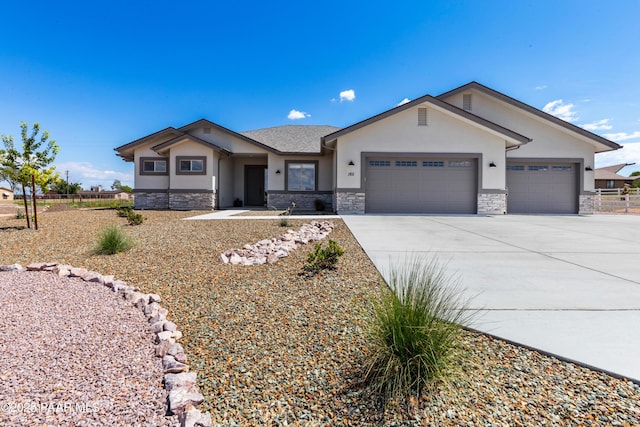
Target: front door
254 185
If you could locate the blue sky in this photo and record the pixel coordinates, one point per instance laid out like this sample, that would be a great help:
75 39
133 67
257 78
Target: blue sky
100 74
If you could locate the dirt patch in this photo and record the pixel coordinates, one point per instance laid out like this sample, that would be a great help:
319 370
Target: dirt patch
59 208
8 209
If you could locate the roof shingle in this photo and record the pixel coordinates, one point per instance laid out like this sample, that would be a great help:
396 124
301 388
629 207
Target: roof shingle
291 138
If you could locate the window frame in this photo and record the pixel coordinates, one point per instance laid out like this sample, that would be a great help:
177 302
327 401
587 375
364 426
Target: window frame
154 160
191 159
287 163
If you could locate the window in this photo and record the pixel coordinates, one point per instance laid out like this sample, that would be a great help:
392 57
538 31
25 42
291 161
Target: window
422 117
431 164
460 164
466 102
301 176
515 167
153 166
379 163
191 165
561 168
611 183
539 168
406 163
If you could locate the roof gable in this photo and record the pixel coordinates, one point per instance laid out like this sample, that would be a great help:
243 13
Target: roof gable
182 138
615 168
515 137
126 151
532 110
208 123
611 173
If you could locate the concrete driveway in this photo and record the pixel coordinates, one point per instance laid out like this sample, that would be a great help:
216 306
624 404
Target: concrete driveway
567 285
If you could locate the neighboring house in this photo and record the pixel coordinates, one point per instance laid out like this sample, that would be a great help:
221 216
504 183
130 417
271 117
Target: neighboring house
607 177
105 194
6 193
470 150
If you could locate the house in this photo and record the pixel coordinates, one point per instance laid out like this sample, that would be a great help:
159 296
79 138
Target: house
91 194
6 193
607 177
105 194
470 150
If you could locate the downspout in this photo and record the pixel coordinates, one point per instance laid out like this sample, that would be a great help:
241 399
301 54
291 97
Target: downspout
169 181
335 172
217 189
505 159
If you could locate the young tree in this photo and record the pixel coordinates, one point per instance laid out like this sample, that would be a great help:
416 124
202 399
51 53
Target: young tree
61 187
29 166
117 185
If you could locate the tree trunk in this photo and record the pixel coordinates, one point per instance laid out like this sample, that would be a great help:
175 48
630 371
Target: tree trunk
26 205
35 201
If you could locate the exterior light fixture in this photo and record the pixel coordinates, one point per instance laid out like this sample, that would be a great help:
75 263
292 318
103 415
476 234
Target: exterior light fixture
492 165
278 172
351 163
588 168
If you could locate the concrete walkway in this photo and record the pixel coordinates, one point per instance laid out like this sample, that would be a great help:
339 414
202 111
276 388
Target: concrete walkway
567 285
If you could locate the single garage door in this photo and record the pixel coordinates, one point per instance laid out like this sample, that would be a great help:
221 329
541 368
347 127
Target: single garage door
421 185
542 187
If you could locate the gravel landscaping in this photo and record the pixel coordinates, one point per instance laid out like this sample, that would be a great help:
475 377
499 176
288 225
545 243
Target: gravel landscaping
273 347
75 355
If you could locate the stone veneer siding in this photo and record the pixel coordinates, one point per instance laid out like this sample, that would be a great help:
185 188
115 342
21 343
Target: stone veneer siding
304 201
174 200
586 204
151 200
192 201
492 203
350 202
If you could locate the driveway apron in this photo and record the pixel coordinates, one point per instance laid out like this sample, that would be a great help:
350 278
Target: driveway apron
566 285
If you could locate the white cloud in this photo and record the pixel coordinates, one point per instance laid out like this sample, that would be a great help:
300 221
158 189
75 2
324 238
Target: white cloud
561 110
629 153
296 115
88 174
541 87
347 95
598 125
404 101
622 136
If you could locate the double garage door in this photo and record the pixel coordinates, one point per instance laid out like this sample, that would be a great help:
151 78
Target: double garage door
542 187
421 185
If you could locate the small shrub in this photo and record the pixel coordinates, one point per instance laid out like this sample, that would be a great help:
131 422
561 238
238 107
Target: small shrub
123 212
112 240
415 330
284 216
135 218
20 215
323 258
320 205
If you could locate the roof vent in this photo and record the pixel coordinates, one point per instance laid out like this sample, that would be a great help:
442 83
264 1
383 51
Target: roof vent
466 102
206 130
422 117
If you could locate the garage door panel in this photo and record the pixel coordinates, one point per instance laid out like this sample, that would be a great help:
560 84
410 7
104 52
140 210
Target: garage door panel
542 187
421 185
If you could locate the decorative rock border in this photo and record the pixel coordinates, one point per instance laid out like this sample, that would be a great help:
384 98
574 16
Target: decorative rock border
271 250
178 381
